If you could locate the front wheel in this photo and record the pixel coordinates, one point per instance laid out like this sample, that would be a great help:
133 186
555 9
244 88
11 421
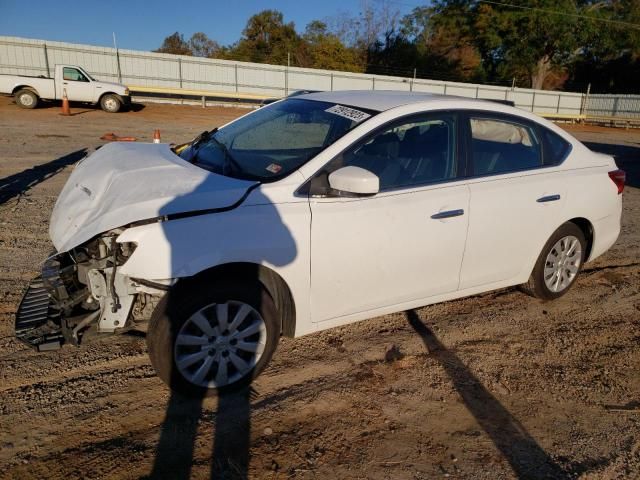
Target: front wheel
205 338
559 263
26 99
110 103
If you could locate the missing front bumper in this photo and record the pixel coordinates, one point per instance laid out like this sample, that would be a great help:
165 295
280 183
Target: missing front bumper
37 321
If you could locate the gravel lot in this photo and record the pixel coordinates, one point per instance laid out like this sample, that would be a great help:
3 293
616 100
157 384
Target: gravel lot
494 386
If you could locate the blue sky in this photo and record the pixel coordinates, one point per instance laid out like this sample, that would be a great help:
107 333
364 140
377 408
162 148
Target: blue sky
142 25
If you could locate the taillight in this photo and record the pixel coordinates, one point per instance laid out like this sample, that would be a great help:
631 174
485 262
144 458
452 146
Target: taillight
618 177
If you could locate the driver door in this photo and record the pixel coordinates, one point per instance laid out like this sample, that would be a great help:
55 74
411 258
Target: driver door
401 245
79 88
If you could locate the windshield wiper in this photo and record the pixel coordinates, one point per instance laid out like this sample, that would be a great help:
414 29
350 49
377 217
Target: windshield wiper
204 136
225 151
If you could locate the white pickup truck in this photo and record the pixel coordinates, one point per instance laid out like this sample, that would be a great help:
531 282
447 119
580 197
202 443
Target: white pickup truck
78 84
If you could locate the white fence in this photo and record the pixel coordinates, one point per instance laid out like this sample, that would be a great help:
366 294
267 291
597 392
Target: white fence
139 68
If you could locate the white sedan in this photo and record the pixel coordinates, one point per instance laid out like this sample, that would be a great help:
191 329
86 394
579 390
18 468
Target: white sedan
313 212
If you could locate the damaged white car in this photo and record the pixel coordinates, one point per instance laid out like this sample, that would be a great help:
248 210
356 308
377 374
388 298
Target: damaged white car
313 212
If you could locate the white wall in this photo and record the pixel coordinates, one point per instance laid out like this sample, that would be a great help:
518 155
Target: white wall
31 57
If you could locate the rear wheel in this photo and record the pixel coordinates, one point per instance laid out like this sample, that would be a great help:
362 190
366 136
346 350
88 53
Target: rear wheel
26 99
207 338
110 103
559 263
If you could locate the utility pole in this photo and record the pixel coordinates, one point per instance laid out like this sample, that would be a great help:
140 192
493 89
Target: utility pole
286 75
585 101
115 45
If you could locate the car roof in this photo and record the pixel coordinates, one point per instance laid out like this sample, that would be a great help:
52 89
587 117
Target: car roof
381 100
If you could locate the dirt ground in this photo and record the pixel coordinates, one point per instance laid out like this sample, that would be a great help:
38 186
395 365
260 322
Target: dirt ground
494 386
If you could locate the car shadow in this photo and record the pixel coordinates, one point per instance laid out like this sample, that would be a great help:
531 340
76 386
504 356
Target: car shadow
137 107
18 184
627 158
526 457
80 108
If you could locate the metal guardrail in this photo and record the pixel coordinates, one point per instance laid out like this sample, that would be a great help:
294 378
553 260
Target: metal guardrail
226 97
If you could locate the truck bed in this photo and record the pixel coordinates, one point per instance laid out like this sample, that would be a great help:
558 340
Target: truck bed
43 86
27 76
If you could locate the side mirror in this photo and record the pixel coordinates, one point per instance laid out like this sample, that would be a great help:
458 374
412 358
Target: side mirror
354 180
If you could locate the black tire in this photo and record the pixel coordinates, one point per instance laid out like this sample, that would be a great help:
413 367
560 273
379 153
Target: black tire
110 103
183 301
26 99
536 286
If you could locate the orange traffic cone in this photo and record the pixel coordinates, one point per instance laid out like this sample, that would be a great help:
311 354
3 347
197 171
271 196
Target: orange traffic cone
156 136
66 110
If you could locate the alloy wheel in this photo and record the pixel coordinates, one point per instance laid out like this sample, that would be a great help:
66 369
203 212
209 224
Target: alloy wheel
562 263
220 344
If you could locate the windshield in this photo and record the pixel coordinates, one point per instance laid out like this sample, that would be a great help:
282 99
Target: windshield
275 140
88 76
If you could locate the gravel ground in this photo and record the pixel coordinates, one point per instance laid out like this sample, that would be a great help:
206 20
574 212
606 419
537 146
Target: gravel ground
493 386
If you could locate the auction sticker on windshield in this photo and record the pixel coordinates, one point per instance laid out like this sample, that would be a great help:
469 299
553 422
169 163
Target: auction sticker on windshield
350 113
274 168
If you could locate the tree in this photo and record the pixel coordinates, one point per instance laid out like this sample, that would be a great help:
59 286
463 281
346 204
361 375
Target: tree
445 42
609 59
364 33
266 39
529 43
499 42
547 44
175 44
202 46
325 50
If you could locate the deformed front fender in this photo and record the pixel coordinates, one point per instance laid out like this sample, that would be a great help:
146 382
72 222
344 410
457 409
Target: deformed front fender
250 234
185 247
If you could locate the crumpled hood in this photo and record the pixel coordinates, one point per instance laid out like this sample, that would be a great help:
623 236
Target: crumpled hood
123 183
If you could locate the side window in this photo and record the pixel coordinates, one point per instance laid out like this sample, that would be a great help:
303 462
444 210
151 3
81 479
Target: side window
556 148
500 146
411 152
73 75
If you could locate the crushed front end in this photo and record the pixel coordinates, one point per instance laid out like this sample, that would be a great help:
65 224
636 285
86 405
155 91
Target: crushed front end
83 291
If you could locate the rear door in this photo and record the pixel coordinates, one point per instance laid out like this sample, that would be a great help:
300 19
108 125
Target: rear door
516 198
79 88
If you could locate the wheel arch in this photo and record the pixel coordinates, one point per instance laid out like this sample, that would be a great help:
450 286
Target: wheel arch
582 223
24 87
103 94
587 229
271 280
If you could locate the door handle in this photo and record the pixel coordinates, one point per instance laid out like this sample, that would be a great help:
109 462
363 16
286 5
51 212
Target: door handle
447 214
548 198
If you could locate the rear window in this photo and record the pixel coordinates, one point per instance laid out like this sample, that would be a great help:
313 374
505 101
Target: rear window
556 148
501 146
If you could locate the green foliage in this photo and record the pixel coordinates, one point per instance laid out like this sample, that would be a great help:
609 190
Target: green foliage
266 39
203 46
325 50
538 43
175 44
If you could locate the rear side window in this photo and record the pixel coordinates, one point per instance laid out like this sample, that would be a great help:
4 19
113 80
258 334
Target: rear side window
556 148
501 146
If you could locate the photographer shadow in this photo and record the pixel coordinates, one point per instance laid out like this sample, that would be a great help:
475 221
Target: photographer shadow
187 422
